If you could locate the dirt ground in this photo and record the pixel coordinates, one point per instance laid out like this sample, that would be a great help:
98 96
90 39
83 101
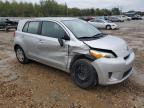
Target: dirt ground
38 86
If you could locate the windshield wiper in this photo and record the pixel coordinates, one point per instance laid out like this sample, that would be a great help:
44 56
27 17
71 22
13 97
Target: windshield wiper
84 37
99 35
95 36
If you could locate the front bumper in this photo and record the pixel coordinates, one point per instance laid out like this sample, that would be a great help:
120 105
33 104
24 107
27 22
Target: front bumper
115 27
113 70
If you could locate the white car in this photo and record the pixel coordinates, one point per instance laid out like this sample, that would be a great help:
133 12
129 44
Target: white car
125 18
103 24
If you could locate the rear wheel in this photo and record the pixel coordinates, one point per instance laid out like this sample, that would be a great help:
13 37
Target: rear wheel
84 74
21 55
108 27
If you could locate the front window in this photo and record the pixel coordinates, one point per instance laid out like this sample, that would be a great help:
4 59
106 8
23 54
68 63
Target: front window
107 21
52 29
115 18
100 21
81 28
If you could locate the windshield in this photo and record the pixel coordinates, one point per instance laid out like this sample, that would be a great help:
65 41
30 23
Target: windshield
81 28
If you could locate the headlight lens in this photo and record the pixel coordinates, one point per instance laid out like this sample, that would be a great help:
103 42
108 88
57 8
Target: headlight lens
98 54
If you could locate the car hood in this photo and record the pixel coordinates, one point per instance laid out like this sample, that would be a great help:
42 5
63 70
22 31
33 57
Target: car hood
112 43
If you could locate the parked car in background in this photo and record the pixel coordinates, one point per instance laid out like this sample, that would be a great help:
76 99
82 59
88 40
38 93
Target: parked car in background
76 47
103 24
136 17
2 24
8 24
86 18
115 19
102 17
125 18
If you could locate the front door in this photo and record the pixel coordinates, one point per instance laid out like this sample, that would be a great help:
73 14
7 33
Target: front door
100 24
49 49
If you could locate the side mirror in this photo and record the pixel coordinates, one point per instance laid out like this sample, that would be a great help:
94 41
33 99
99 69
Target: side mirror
61 42
66 37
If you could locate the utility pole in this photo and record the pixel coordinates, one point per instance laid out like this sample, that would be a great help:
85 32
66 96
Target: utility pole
66 9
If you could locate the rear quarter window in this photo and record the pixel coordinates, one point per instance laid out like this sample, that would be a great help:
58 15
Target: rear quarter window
25 28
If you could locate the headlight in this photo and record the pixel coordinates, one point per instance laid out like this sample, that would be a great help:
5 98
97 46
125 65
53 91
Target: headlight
113 25
98 54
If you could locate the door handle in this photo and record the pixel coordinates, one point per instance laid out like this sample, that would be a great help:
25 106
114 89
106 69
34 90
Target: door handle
41 41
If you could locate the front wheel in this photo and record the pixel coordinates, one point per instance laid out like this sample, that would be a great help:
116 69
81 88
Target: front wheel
108 27
21 55
84 74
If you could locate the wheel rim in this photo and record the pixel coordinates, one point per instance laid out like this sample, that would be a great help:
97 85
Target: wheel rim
20 55
82 73
108 27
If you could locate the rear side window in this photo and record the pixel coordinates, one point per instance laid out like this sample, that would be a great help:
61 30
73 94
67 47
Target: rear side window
52 29
100 21
33 27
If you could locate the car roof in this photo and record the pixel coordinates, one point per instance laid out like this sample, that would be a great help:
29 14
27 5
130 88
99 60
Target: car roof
51 18
57 19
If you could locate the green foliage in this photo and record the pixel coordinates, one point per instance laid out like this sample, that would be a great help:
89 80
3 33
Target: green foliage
115 11
48 8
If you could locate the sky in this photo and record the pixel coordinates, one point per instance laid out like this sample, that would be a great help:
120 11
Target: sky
125 5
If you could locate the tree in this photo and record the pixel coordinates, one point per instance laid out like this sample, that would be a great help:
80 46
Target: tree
115 11
49 8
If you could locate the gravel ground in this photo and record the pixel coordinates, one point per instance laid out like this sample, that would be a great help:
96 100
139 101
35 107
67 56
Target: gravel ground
38 86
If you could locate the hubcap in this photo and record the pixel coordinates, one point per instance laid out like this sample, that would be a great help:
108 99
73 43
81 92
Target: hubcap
108 27
82 72
20 55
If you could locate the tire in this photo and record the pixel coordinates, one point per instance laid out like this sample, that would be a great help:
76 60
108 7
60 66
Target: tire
21 55
83 74
108 27
6 29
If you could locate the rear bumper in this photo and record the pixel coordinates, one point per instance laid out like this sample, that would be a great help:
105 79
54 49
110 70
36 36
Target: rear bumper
114 70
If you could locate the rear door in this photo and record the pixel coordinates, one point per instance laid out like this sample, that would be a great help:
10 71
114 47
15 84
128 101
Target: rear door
49 49
31 38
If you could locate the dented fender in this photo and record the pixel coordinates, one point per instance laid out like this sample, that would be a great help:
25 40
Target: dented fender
75 50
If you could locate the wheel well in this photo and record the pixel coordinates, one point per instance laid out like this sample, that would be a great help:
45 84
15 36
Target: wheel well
16 46
108 25
81 56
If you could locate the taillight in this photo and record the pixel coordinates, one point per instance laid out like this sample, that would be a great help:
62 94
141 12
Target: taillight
14 34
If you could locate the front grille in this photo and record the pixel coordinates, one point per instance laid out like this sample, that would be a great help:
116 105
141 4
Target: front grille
126 57
127 72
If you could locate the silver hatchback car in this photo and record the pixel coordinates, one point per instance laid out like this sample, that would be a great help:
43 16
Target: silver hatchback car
74 46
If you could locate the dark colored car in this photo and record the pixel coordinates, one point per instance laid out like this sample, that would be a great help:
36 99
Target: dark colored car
2 24
102 17
86 18
8 24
